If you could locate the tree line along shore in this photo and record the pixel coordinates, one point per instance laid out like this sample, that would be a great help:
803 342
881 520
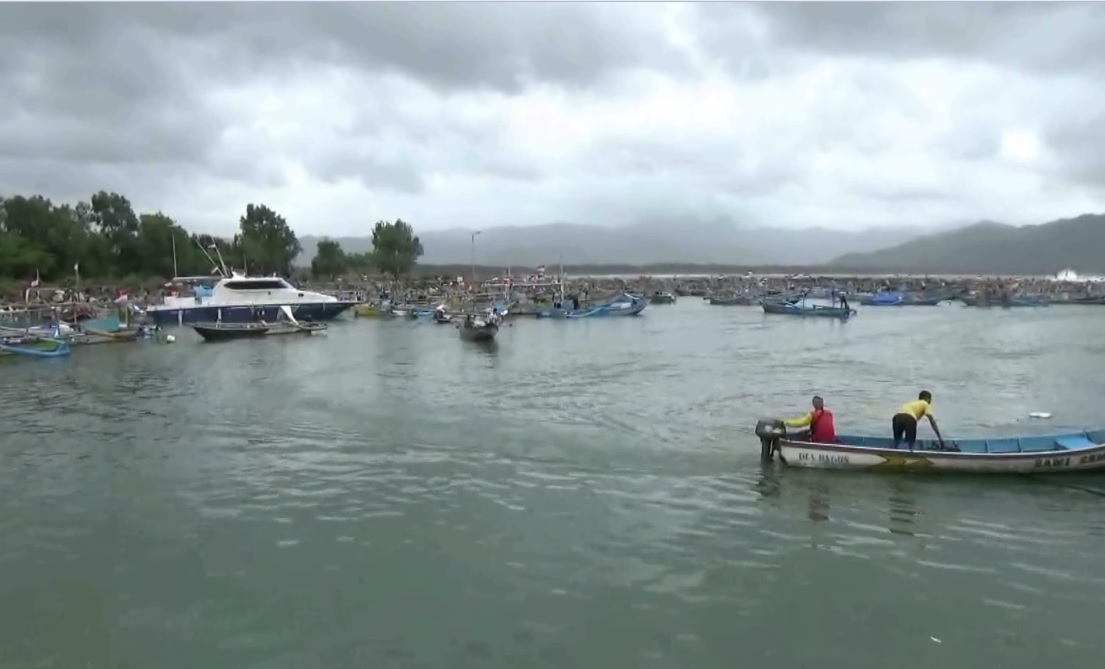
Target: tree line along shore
104 240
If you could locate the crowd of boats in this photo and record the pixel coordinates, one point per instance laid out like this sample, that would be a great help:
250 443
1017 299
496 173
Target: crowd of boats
229 305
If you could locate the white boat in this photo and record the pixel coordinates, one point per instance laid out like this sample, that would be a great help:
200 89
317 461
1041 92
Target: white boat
1035 454
242 299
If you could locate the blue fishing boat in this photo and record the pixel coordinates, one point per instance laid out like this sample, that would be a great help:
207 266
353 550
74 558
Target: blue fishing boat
897 299
624 305
1045 454
34 347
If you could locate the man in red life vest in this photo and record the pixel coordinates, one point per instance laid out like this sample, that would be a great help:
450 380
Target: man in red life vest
822 427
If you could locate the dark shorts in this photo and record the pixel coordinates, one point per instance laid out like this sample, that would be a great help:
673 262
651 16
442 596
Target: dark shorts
905 429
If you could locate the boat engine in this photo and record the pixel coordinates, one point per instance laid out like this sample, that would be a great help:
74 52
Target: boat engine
769 430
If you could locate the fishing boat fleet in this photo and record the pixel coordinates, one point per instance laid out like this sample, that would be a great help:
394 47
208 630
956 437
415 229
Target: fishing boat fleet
833 304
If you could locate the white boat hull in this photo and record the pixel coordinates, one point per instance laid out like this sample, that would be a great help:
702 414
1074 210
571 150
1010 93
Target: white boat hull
832 456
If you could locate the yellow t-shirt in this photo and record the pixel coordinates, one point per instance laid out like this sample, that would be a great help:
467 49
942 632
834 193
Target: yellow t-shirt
918 409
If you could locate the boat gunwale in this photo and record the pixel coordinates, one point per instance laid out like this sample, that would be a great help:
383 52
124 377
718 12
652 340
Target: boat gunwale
953 455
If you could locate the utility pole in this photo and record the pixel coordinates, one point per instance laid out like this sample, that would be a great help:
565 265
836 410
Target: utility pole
474 233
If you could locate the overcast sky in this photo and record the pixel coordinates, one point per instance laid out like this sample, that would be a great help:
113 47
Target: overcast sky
446 115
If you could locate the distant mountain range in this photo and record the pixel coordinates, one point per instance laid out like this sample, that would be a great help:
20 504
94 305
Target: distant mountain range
719 242
994 249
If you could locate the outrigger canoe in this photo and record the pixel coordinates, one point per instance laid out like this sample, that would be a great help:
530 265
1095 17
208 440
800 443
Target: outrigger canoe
1057 453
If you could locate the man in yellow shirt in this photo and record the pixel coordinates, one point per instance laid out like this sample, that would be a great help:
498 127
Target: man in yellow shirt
904 423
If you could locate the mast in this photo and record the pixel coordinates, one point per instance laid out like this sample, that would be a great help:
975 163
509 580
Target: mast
175 272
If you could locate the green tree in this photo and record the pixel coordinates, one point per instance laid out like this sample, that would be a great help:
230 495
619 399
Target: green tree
118 224
396 249
330 260
361 263
266 241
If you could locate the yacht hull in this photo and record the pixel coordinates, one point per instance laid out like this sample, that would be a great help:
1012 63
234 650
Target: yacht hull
245 313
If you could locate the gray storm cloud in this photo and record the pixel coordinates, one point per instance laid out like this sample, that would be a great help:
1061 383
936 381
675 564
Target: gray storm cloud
500 113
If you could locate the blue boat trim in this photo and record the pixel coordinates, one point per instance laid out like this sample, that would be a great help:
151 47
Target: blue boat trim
995 447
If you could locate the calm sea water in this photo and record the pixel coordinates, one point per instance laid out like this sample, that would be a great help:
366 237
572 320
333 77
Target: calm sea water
585 494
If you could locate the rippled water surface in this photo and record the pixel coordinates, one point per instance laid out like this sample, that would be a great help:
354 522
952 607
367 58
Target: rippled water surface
585 494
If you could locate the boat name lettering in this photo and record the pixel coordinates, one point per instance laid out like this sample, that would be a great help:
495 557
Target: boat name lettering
824 457
1087 459
1051 463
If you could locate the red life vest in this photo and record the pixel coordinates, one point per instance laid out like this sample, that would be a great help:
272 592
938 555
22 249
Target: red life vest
822 427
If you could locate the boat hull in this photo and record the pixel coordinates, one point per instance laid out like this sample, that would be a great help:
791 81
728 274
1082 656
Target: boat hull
481 333
33 348
1045 455
904 302
221 332
368 311
314 311
738 301
784 309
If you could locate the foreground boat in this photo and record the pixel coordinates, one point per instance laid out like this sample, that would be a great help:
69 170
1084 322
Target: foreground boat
478 328
807 310
1068 452
33 347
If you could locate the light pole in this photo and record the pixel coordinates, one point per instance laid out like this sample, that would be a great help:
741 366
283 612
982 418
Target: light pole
474 233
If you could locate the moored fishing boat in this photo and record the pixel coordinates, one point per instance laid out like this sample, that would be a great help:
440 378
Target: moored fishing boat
896 299
807 310
661 298
219 331
744 300
624 305
1057 453
983 301
368 310
33 347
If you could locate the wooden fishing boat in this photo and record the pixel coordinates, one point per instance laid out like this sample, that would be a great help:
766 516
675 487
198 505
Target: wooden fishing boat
477 328
1005 301
368 310
88 335
807 310
1057 453
220 331
732 300
896 299
33 347
661 298
300 327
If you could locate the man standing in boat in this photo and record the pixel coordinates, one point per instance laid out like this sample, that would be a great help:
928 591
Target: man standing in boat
904 423
822 426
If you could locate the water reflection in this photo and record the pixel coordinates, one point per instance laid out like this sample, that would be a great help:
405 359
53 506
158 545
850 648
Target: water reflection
860 498
903 506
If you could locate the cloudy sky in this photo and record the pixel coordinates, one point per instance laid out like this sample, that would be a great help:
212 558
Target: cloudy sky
446 115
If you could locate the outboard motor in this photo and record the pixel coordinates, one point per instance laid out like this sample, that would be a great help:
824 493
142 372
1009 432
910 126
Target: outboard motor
769 430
